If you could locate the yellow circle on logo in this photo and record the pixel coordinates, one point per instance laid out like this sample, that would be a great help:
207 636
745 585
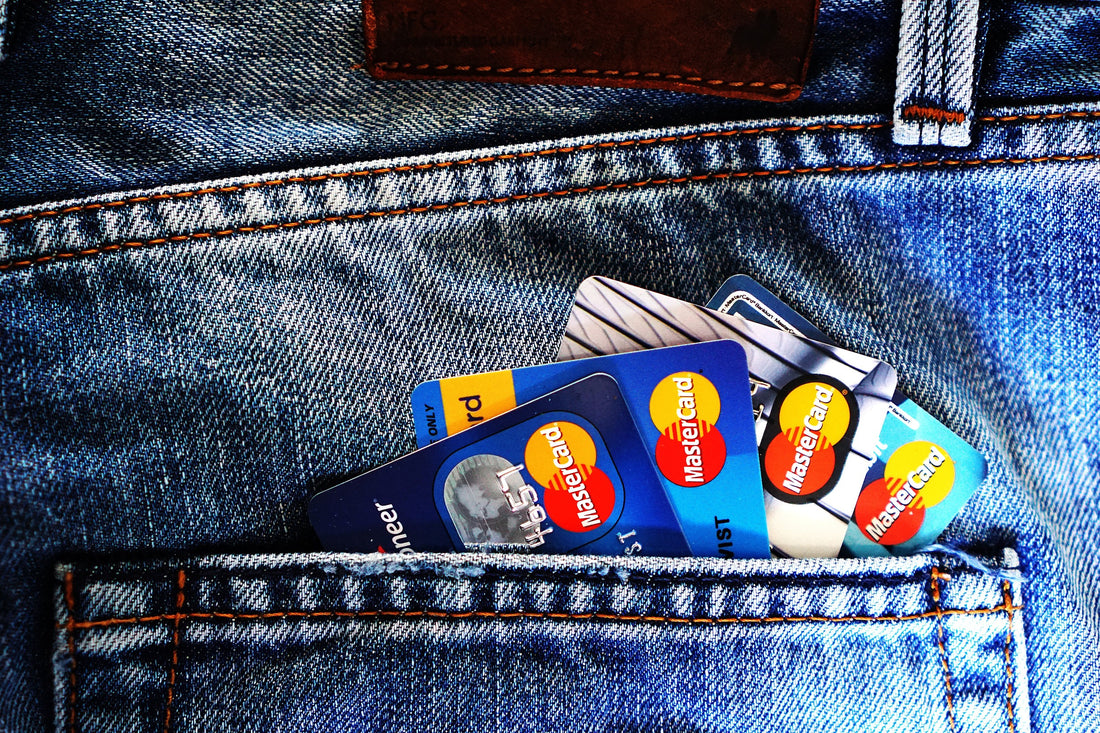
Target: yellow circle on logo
684 396
926 467
817 407
557 446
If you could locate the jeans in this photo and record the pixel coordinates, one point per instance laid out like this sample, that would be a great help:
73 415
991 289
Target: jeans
215 314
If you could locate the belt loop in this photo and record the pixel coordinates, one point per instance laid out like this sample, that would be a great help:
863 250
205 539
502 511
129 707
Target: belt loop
937 72
5 27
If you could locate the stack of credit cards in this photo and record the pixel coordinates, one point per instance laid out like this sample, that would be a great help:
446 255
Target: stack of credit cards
922 472
666 428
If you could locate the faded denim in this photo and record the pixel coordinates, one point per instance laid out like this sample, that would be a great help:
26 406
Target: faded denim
211 311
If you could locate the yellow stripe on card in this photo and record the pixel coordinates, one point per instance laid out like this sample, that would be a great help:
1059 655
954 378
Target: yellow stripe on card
473 399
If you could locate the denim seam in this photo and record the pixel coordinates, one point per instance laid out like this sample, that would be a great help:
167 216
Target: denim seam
538 615
70 626
450 164
180 581
490 576
499 574
344 218
936 578
1007 590
588 73
800 129
933 114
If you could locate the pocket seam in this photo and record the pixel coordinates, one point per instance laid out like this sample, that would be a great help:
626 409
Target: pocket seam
71 625
510 574
559 150
934 581
575 191
427 71
1006 588
539 615
181 579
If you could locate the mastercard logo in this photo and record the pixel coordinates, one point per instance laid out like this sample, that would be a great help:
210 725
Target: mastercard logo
685 407
918 475
561 457
807 438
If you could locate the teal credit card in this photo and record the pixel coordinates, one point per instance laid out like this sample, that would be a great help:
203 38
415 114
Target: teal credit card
923 473
693 408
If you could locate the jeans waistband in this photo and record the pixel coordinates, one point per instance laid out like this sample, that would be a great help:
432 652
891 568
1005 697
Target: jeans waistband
99 98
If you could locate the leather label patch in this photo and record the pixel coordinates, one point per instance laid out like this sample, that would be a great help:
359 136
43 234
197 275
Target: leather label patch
754 49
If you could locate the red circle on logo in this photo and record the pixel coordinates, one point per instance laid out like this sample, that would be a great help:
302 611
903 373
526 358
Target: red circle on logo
694 459
580 498
870 507
784 466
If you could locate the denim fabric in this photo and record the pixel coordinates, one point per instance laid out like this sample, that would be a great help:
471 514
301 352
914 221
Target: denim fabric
553 643
109 96
169 390
1046 51
181 366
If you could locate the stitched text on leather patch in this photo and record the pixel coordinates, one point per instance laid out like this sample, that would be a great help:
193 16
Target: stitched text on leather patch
755 49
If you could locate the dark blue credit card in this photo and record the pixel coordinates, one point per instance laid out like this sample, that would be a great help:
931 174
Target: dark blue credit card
567 472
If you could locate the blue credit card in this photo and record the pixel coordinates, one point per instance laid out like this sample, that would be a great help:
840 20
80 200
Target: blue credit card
692 406
567 472
922 474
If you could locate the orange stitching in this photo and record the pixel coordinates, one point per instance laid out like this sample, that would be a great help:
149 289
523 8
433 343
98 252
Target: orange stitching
175 651
510 156
1039 117
938 576
915 112
440 164
1008 659
70 625
394 66
215 615
544 194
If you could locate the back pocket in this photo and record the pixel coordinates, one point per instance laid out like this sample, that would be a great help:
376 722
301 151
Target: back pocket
536 643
